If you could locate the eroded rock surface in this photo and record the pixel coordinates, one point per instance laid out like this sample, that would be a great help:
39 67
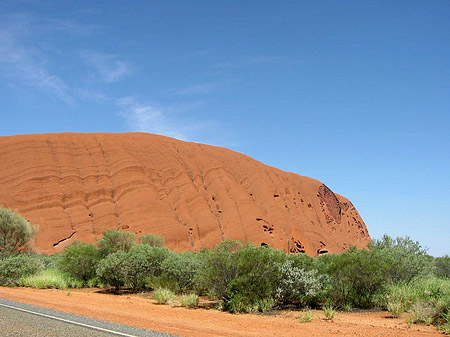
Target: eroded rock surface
74 186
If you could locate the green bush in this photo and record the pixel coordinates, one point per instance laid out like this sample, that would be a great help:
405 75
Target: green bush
442 265
399 298
115 240
301 261
189 300
152 240
80 260
49 261
242 276
307 316
15 267
258 276
15 232
299 285
183 268
111 270
143 261
329 312
357 277
406 258
50 278
163 296
220 268
427 299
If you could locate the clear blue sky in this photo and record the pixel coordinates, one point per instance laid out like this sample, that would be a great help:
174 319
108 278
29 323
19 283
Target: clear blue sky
353 93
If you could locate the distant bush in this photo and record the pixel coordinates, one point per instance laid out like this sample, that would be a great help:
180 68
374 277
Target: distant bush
442 265
220 268
427 299
299 285
357 277
15 232
183 269
15 267
244 277
301 261
307 316
50 278
189 300
143 261
407 259
152 240
111 271
80 260
163 296
115 240
329 312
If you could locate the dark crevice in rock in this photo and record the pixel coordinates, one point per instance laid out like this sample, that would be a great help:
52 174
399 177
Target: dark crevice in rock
65 239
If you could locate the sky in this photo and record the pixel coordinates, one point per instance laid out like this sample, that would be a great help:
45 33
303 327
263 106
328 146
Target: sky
353 93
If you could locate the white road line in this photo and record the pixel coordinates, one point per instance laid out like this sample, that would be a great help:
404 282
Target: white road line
68 321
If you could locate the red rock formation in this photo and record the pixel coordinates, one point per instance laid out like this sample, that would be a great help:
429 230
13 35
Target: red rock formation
74 186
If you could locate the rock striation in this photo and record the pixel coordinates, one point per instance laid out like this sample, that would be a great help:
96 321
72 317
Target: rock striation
74 186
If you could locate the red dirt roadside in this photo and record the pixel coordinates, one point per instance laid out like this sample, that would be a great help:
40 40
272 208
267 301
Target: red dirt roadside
144 313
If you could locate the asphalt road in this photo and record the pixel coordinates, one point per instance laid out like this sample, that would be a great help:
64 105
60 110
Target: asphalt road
23 320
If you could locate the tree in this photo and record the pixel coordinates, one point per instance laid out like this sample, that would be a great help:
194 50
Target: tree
111 269
183 268
115 240
153 240
442 266
15 232
407 257
80 259
15 267
143 261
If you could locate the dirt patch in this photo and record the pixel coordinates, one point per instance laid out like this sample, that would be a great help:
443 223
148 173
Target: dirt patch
140 311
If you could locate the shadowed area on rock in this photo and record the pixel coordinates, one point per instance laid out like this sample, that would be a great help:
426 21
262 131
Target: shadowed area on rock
74 186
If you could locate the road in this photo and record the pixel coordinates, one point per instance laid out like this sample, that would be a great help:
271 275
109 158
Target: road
23 320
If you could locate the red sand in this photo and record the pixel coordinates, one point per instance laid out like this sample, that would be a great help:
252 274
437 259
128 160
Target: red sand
141 312
74 186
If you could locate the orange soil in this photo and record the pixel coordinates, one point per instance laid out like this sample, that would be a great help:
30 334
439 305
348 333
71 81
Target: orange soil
142 312
74 186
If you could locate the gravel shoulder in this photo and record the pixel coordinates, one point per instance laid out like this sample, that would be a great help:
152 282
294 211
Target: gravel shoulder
139 311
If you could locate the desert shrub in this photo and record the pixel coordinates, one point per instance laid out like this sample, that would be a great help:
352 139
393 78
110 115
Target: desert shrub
329 312
407 259
163 296
252 275
143 261
94 282
258 275
427 299
49 261
111 271
299 285
442 266
307 316
189 300
115 240
220 268
161 281
399 298
50 278
80 260
183 269
357 277
153 240
301 261
15 232
15 267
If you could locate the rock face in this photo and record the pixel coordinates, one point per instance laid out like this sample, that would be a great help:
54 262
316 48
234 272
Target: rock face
74 186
